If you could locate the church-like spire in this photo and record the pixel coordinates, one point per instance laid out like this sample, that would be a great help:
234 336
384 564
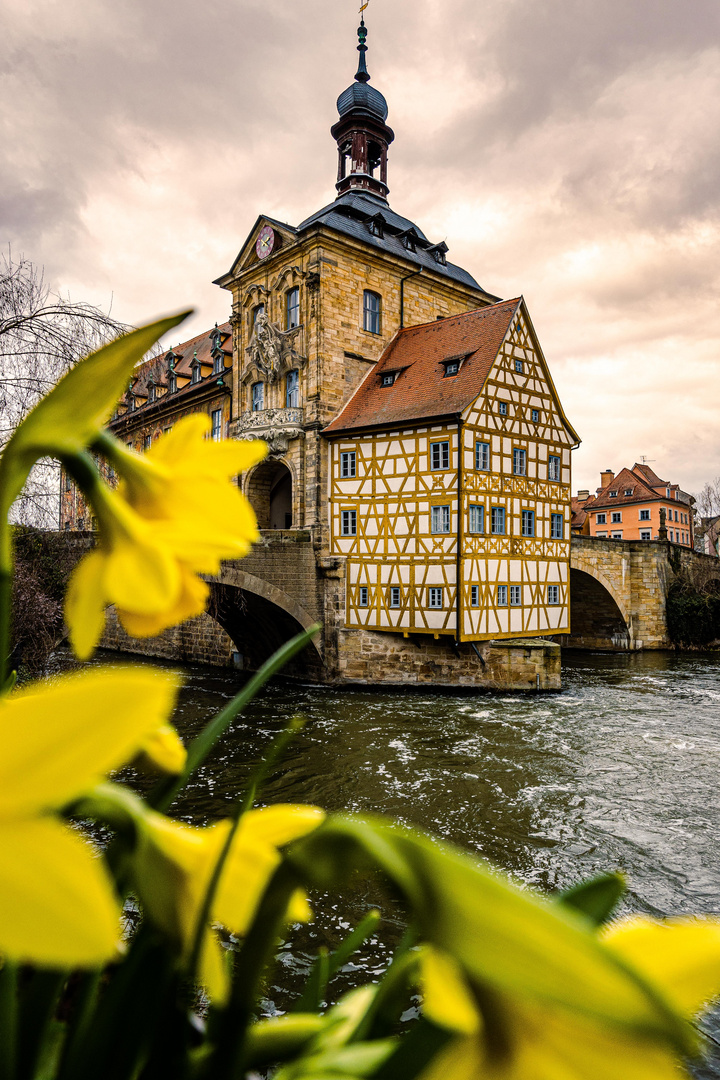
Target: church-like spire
361 75
362 135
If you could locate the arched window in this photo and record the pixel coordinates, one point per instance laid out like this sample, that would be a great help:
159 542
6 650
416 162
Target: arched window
292 308
292 389
258 396
371 312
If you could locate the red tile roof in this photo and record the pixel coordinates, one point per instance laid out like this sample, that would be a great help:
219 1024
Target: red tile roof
417 353
646 487
156 367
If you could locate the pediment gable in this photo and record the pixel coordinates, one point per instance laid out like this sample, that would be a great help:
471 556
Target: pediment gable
283 236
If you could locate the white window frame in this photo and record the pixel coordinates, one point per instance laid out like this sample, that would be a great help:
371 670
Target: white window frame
482 456
216 429
497 518
553 595
557 527
601 518
440 519
394 601
501 597
644 515
519 461
347 464
516 596
348 523
439 456
646 534
372 311
474 596
363 596
527 518
553 467
435 596
476 519
616 517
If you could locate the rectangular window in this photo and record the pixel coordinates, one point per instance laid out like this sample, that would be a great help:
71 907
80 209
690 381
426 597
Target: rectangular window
645 534
556 527
613 494
258 395
347 464
435 598
363 596
395 596
628 491
528 522
515 595
482 456
440 519
349 523
601 534
292 389
601 519
676 515
387 379
440 455
474 596
371 312
534 415
218 363
477 519
451 368
617 534
147 442
502 408
553 467
292 308
519 366
502 596
644 515
497 520
553 594
216 430
519 462
616 517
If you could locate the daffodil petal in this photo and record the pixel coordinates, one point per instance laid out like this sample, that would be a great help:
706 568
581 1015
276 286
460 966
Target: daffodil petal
214 973
681 956
191 602
279 824
447 1000
84 605
60 737
165 750
57 905
142 577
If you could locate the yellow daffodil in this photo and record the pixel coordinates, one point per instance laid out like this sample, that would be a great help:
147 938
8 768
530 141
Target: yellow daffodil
173 866
175 515
521 1038
57 902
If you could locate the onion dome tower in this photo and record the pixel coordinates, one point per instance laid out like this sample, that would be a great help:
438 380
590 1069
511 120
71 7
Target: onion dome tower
362 135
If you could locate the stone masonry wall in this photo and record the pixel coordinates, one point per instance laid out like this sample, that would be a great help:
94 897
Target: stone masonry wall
197 641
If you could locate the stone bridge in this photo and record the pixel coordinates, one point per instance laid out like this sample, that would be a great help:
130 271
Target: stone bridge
618 591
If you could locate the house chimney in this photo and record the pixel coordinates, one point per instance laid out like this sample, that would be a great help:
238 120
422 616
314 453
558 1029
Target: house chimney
606 478
583 496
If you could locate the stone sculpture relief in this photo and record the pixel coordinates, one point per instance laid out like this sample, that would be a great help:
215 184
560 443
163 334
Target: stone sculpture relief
272 349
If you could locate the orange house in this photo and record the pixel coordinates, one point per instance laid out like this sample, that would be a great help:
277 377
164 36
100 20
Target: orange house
629 506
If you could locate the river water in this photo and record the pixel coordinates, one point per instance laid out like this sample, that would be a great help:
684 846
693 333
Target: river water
619 770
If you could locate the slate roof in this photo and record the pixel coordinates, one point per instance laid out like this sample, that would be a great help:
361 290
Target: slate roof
351 213
156 368
421 390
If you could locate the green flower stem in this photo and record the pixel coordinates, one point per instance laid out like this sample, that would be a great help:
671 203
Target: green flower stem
164 793
8 1020
227 1062
274 754
6 578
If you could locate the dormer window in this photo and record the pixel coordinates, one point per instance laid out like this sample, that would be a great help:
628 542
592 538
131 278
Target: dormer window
628 491
376 225
438 252
612 494
451 368
387 378
195 367
408 239
172 382
152 392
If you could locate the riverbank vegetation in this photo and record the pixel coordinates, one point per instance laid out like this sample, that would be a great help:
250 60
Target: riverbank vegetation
149 960
693 607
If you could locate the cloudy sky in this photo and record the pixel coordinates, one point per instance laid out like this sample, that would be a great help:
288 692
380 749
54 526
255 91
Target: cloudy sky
569 151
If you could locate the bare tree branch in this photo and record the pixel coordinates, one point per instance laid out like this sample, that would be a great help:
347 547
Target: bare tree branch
42 335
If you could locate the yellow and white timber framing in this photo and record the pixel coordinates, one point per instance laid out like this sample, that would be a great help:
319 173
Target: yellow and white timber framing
511 585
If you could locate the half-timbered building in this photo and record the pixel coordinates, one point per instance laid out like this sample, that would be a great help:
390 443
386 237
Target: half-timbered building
450 484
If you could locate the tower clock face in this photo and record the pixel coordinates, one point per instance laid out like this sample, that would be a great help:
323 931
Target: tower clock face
265 242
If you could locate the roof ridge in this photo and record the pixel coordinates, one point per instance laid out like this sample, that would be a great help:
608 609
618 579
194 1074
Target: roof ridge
460 315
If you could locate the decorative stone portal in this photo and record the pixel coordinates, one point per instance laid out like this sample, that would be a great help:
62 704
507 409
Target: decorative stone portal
270 492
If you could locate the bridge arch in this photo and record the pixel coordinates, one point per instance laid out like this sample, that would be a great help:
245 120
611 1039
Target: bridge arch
597 620
259 617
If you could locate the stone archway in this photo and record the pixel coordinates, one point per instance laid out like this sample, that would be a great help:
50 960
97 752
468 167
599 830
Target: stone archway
269 489
596 621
